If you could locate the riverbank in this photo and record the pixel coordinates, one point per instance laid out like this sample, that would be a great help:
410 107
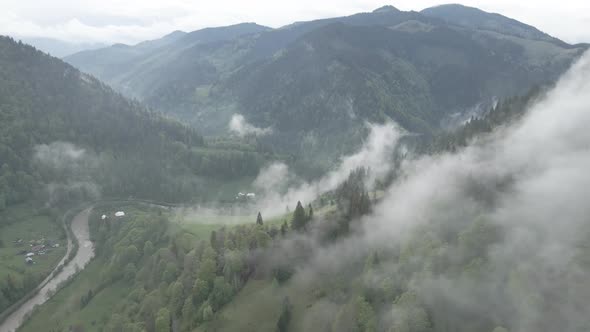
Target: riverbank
70 264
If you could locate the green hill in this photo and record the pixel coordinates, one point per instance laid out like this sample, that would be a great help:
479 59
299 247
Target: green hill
140 69
59 125
317 82
474 18
492 238
65 138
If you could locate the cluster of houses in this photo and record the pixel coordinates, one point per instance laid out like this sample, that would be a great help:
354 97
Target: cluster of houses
37 248
42 246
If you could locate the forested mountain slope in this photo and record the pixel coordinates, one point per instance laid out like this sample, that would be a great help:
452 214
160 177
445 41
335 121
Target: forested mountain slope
317 82
64 134
66 138
140 69
326 269
478 19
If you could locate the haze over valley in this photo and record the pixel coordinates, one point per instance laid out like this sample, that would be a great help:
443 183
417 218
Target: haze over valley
390 170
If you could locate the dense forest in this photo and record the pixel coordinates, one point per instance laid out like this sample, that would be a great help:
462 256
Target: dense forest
65 134
66 138
476 221
506 112
175 280
173 276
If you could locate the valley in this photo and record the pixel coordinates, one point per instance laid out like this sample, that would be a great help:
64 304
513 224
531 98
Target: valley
22 230
84 252
385 171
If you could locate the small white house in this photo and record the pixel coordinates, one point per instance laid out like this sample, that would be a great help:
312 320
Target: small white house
103 217
29 260
120 214
251 195
30 255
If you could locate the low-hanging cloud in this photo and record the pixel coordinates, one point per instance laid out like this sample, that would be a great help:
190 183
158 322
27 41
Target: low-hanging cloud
376 154
58 155
531 181
277 187
68 170
239 126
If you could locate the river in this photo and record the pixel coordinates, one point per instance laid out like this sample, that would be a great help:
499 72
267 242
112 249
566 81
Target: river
83 256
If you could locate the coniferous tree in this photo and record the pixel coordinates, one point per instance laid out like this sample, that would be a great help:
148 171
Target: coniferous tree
163 320
188 314
2 202
176 295
285 318
213 240
299 217
259 220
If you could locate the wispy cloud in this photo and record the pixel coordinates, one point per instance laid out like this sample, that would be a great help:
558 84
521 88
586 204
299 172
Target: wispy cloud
531 181
275 183
238 125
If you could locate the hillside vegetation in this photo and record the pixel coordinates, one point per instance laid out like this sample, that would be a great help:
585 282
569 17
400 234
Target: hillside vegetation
261 277
66 138
317 82
465 212
64 133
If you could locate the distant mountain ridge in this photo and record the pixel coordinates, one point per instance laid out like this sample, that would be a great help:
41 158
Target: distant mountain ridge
474 18
120 63
319 81
59 48
386 9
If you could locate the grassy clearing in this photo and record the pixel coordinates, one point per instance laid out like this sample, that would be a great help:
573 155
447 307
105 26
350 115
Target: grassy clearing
227 190
27 224
64 308
201 224
256 308
200 231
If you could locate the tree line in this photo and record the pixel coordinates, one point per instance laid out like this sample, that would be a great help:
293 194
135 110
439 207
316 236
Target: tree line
137 152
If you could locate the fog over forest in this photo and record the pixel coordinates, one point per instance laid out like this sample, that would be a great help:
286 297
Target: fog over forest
389 170
530 182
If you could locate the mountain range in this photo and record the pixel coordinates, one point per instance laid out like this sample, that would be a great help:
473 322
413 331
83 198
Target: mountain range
318 82
310 87
59 48
458 234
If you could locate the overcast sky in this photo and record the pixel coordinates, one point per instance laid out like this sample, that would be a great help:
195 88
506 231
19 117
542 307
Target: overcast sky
131 21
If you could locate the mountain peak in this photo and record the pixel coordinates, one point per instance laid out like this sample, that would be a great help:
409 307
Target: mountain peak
456 9
386 9
475 18
175 33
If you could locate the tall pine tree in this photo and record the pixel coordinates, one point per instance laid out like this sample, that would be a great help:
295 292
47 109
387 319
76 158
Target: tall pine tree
259 220
299 218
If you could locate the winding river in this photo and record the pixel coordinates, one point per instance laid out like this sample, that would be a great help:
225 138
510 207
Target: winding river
49 285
